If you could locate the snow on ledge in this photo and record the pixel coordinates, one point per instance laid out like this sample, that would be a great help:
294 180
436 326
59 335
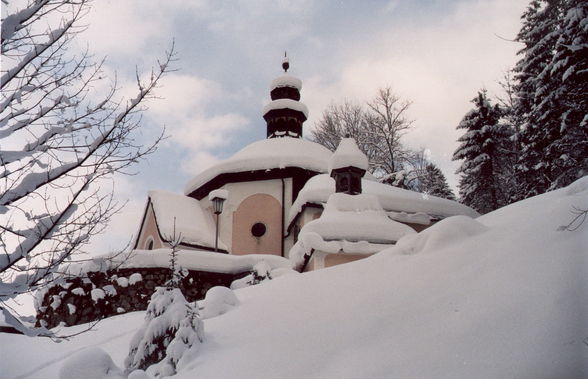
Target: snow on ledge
218 194
197 260
286 81
286 103
203 260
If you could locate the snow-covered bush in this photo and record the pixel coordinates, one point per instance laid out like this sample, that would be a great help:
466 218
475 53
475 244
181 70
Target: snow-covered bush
218 300
91 363
172 326
260 273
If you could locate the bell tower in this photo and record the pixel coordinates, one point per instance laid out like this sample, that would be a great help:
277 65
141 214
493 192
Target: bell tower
285 114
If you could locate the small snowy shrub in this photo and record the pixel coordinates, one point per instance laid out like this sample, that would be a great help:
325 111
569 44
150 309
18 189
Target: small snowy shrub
172 326
91 363
218 300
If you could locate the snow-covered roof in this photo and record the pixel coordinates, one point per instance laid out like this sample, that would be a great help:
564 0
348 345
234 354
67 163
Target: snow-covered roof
348 154
349 224
393 199
265 155
286 81
195 225
356 218
286 103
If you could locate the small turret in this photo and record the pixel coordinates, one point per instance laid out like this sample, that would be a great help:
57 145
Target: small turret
347 166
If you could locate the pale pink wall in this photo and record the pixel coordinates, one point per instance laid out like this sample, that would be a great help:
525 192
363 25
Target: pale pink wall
149 229
340 258
257 208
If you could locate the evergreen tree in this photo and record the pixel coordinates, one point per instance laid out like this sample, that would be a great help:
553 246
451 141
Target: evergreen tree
551 95
538 36
481 149
565 107
433 182
171 327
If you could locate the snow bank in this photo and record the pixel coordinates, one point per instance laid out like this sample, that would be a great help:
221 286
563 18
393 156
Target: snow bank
194 224
393 199
265 155
91 363
218 300
440 235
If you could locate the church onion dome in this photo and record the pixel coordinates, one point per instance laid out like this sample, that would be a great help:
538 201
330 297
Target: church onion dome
285 114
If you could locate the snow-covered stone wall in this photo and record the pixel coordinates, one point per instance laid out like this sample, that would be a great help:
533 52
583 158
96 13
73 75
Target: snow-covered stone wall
101 294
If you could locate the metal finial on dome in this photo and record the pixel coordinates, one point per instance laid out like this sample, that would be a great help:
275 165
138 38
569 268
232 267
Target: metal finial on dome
285 63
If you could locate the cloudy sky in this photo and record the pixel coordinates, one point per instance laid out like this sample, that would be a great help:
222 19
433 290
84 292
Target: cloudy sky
435 53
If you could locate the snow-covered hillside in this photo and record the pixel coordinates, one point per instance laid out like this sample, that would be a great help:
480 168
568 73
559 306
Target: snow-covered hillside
503 296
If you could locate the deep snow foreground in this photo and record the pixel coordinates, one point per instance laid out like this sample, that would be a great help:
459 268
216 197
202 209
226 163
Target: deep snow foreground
503 296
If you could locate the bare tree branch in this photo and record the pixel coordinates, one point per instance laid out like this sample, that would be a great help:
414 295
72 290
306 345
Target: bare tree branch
66 140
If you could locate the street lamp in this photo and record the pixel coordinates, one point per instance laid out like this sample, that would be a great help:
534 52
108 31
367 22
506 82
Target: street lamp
217 197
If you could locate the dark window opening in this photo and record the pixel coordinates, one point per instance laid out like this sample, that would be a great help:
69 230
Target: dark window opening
150 244
258 229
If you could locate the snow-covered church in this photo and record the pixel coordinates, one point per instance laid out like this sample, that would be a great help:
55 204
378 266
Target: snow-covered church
290 197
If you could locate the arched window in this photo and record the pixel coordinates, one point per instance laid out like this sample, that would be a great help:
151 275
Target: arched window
149 243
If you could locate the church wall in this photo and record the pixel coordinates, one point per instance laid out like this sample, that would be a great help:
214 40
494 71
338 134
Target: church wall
337 259
260 210
238 192
321 259
308 214
149 230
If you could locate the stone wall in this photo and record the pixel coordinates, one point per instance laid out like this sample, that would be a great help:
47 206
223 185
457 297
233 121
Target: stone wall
97 295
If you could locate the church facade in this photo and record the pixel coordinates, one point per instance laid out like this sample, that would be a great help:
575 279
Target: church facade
271 189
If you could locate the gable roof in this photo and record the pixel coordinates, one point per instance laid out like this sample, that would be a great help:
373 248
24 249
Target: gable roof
194 224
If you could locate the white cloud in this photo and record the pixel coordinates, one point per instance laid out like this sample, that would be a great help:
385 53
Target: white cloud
185 109
124 224
439 66
199 161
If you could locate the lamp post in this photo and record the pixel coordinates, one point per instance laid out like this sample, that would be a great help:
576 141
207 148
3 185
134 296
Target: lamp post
217 197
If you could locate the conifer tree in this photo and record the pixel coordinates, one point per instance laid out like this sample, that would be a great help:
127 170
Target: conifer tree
171 327
481 151
433 182
552 77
